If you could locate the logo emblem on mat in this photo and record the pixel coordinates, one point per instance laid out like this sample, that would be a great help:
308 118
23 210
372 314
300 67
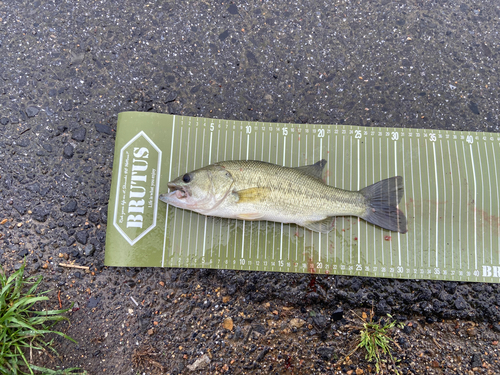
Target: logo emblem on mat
137 190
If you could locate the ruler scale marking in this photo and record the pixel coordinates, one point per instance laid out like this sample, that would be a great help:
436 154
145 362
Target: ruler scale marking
380 178
366 184
413 209
373 181
212 224
452 175
491 208
197 216
169 178
388 169
358 244
291 165
261 158
227 229
306 231
314 160
296 228
292 227
405 199
310 232
475 206
350 188
467 212
343 187
190 212
498 200
396 169
235 233
206 218
243 221
437 203
253 223
284 163
459 210
482 188
274 223
335 244
444 200
429 201
421 205
328 183
178 169
220 221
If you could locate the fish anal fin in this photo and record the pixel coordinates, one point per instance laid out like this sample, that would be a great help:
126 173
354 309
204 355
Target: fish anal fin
250 216
255 194
322 226
315 170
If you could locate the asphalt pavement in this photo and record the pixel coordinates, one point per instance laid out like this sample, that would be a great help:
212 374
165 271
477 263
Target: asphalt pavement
67 68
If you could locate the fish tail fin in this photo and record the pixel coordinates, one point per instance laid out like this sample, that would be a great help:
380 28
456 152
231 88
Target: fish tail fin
382 199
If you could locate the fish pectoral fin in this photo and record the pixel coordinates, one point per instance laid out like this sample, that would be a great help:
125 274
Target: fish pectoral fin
315 170
250 216
255 194
322 226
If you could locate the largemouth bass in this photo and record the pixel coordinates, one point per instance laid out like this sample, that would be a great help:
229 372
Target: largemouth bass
255 190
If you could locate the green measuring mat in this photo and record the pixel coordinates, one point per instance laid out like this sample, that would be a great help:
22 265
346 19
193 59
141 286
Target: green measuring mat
451 199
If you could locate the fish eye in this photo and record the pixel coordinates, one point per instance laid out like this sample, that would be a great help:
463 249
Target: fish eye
186 178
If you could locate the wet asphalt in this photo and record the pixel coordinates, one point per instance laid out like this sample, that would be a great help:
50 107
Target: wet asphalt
67 68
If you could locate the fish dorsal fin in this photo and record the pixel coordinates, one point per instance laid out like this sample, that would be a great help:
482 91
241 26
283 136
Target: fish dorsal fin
255 194
322 226
314 170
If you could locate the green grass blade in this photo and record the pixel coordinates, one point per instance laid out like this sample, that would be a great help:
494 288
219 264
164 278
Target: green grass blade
23 327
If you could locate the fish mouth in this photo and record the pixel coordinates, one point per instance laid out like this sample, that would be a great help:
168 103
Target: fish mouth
180 192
